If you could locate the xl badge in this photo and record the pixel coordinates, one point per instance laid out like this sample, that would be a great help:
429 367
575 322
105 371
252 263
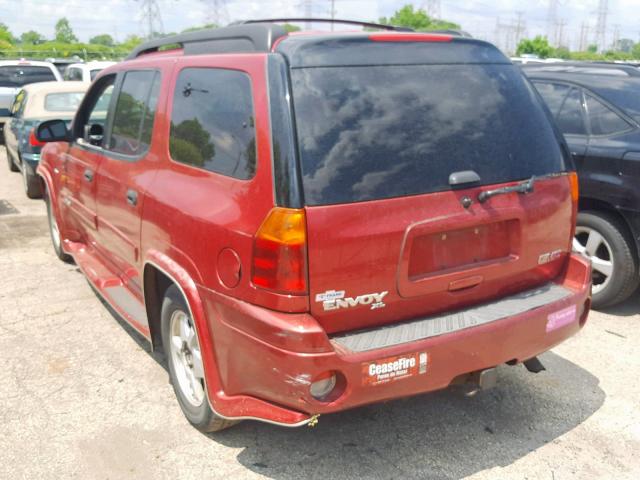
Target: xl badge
334 300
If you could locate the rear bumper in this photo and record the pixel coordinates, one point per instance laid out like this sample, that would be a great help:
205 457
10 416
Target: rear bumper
274 357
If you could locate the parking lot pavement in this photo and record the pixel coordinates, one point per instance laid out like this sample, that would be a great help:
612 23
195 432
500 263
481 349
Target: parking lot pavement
83 397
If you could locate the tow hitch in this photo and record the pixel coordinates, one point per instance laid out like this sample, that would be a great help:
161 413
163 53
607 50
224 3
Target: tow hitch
481 380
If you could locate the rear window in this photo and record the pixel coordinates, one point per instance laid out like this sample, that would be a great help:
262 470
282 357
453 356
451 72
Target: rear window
63 102
19 75
376 132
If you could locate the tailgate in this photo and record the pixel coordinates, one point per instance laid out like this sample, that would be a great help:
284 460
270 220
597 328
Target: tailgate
373 263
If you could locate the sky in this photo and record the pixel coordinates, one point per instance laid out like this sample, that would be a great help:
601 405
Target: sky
120 18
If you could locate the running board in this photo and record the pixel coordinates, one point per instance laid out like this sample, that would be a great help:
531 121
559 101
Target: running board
387 336
110 286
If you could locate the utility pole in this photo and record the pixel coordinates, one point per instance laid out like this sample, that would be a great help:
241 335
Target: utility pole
218 13
583 44
151 19
616 37
307 7
333 12
561 24
601 25
519 28
552 22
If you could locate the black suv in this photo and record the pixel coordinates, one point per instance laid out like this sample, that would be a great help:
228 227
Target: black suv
599 116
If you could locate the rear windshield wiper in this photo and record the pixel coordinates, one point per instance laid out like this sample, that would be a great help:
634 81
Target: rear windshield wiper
523 187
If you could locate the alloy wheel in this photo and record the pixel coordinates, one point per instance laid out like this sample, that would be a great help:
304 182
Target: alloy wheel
594 246
186 358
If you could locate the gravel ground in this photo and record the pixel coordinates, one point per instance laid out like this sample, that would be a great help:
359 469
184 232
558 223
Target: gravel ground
83 397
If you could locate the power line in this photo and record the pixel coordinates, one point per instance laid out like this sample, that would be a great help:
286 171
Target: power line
601 25
552 22
150 18
433 8
218 13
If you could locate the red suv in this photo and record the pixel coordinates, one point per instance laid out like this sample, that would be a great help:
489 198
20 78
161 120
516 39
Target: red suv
305 223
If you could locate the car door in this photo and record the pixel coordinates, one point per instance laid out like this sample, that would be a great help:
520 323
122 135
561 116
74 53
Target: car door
610 137
82 159
12 133
124 172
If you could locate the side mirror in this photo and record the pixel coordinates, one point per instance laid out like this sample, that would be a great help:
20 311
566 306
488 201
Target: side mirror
53 131
5 112
93 134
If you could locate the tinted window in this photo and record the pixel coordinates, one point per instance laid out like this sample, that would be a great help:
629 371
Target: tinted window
553 94
212 122
134 114
19 75
63 102
604 121
376 132
94 73
74 74
570 119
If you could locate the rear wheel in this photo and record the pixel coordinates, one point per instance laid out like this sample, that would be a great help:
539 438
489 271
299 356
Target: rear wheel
182 350
603 239
54 231
10 163
31 183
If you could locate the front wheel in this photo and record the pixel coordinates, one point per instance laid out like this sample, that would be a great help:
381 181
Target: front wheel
603 239
186 370
54 231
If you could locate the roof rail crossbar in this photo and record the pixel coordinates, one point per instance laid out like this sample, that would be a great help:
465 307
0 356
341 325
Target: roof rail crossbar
238 38
328 20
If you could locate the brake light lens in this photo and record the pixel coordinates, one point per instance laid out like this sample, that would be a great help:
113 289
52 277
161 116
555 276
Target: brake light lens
575 190
33 141
280 253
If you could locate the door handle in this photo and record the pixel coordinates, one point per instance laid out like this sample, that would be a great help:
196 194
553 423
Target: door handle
132 197
88 175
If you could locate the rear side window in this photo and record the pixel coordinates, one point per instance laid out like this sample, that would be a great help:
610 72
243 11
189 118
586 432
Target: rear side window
553 94
19 75
134 113
376 132
63 102
74 74
212 122
604 121
570 119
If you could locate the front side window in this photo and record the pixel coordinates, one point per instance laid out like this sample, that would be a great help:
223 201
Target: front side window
63 102
603 120
212 122
553 95
569 118
134 113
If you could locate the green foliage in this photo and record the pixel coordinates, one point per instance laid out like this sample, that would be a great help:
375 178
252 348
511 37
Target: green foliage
192 133
131 42
418 20
32 37
206 26
291 28
5 34
592 48
64 33
538 46
625 45
562 52
635 51
104 39
185 152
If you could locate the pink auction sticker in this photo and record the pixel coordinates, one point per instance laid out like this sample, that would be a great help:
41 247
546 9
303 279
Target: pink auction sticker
561 318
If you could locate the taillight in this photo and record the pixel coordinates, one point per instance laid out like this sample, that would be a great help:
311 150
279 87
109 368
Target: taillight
33 141
279 252
575 195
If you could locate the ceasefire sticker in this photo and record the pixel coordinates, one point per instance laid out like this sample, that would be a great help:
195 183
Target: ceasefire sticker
394 368
561 318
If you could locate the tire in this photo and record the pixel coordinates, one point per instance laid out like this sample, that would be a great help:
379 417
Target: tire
185 363
10 162
604 239
54 231
31 183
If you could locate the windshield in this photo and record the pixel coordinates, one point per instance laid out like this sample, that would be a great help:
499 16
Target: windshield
63 102
19 75
372 132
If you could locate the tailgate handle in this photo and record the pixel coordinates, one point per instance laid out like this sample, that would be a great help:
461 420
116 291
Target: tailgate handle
463 177
467 282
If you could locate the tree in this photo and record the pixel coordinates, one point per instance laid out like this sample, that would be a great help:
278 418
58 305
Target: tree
592 48
624 45
131 42
64 34
32 37
291 28
103 39
5 34
538 46
562 52
635 51
418 20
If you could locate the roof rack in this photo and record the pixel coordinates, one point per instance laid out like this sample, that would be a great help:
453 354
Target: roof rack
327 20
239 38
